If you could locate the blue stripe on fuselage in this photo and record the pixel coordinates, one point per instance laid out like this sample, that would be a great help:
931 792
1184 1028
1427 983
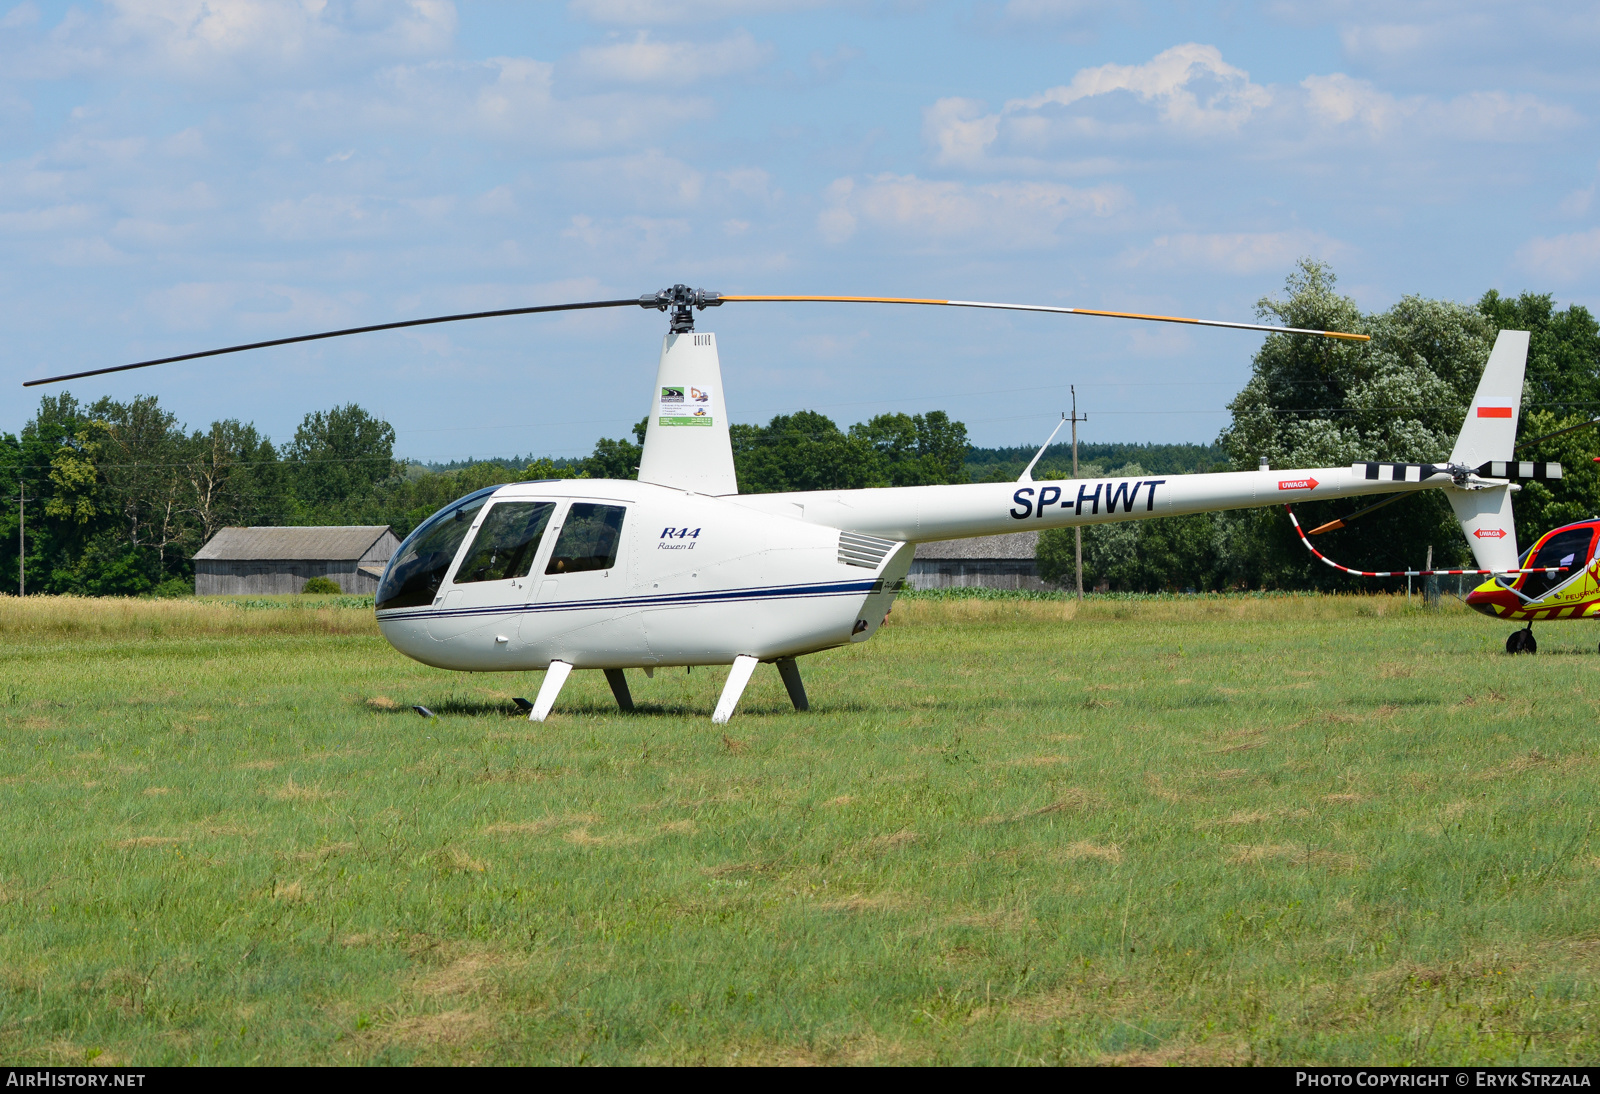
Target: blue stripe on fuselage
774 592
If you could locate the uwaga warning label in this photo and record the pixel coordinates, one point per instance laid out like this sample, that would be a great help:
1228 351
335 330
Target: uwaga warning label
687 405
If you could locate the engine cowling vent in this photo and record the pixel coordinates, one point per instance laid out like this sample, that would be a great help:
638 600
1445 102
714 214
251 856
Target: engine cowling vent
867 552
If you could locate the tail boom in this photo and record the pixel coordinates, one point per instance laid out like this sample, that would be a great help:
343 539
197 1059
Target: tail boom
919 514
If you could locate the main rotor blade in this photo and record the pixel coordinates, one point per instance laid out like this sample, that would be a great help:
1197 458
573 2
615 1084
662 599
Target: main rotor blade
585 306
1056 310
1335 525
682 299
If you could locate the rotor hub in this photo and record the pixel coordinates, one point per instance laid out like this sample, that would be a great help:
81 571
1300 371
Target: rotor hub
682 300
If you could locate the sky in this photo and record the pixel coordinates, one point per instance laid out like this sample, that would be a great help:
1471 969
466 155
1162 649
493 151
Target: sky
182 174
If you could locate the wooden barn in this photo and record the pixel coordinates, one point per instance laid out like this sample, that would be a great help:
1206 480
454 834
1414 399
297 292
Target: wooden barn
997 562
282 560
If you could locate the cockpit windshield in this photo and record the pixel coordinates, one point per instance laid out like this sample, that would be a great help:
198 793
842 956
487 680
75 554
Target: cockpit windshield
419 565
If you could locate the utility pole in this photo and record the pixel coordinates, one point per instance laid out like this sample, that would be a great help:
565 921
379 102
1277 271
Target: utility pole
1077 530
22 537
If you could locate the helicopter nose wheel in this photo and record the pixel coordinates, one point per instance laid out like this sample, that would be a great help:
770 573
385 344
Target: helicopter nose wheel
1522 641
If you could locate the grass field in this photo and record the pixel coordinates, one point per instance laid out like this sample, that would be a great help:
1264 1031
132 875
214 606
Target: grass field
1198 830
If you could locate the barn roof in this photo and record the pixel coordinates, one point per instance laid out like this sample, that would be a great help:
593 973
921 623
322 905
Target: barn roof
341 542
1011 545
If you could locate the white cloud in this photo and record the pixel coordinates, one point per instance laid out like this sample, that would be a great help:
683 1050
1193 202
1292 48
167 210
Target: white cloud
1192 89
510 99
231 41
320 216
750 182
1007 215
1235 252
23 15
1387 38
1057 11
49 219
633 239
1564 257
1341 100
642 12
1191 85
648 179
197 305
643 61
959 130
498 202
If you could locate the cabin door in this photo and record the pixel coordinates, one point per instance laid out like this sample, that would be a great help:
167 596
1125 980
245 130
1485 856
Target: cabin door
494 578
584 588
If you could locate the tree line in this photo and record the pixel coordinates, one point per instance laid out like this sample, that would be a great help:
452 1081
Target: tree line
122 494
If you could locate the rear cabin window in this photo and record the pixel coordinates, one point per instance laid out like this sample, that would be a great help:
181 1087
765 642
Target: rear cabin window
506 542
1569 549
588 540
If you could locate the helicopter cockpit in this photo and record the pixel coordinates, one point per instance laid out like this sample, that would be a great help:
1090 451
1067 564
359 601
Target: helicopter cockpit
1567 548
504 548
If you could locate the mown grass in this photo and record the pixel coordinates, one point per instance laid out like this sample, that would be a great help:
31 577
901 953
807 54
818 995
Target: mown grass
1207 830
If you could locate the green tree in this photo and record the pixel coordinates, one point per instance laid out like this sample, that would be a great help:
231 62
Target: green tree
803 451
617 459
335 462
233 477
917 450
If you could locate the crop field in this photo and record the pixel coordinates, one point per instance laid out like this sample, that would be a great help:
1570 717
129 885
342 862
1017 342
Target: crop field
1201 829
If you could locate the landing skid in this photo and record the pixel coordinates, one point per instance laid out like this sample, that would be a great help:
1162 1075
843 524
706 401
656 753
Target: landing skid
743 667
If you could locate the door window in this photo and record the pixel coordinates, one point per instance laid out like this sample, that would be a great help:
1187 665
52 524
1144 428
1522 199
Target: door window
506 542
588 540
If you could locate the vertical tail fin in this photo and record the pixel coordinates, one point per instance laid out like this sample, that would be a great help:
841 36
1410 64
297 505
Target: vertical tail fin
1491 425
686 441
1488 434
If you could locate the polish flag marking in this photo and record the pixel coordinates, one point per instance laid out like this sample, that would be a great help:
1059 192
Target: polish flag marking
1490 533
1494 412
1297 484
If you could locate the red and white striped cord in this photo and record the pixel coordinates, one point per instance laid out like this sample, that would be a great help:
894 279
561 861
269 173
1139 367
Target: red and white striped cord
1404 573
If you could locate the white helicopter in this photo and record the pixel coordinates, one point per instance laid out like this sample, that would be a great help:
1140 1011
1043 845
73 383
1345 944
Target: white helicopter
678 568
